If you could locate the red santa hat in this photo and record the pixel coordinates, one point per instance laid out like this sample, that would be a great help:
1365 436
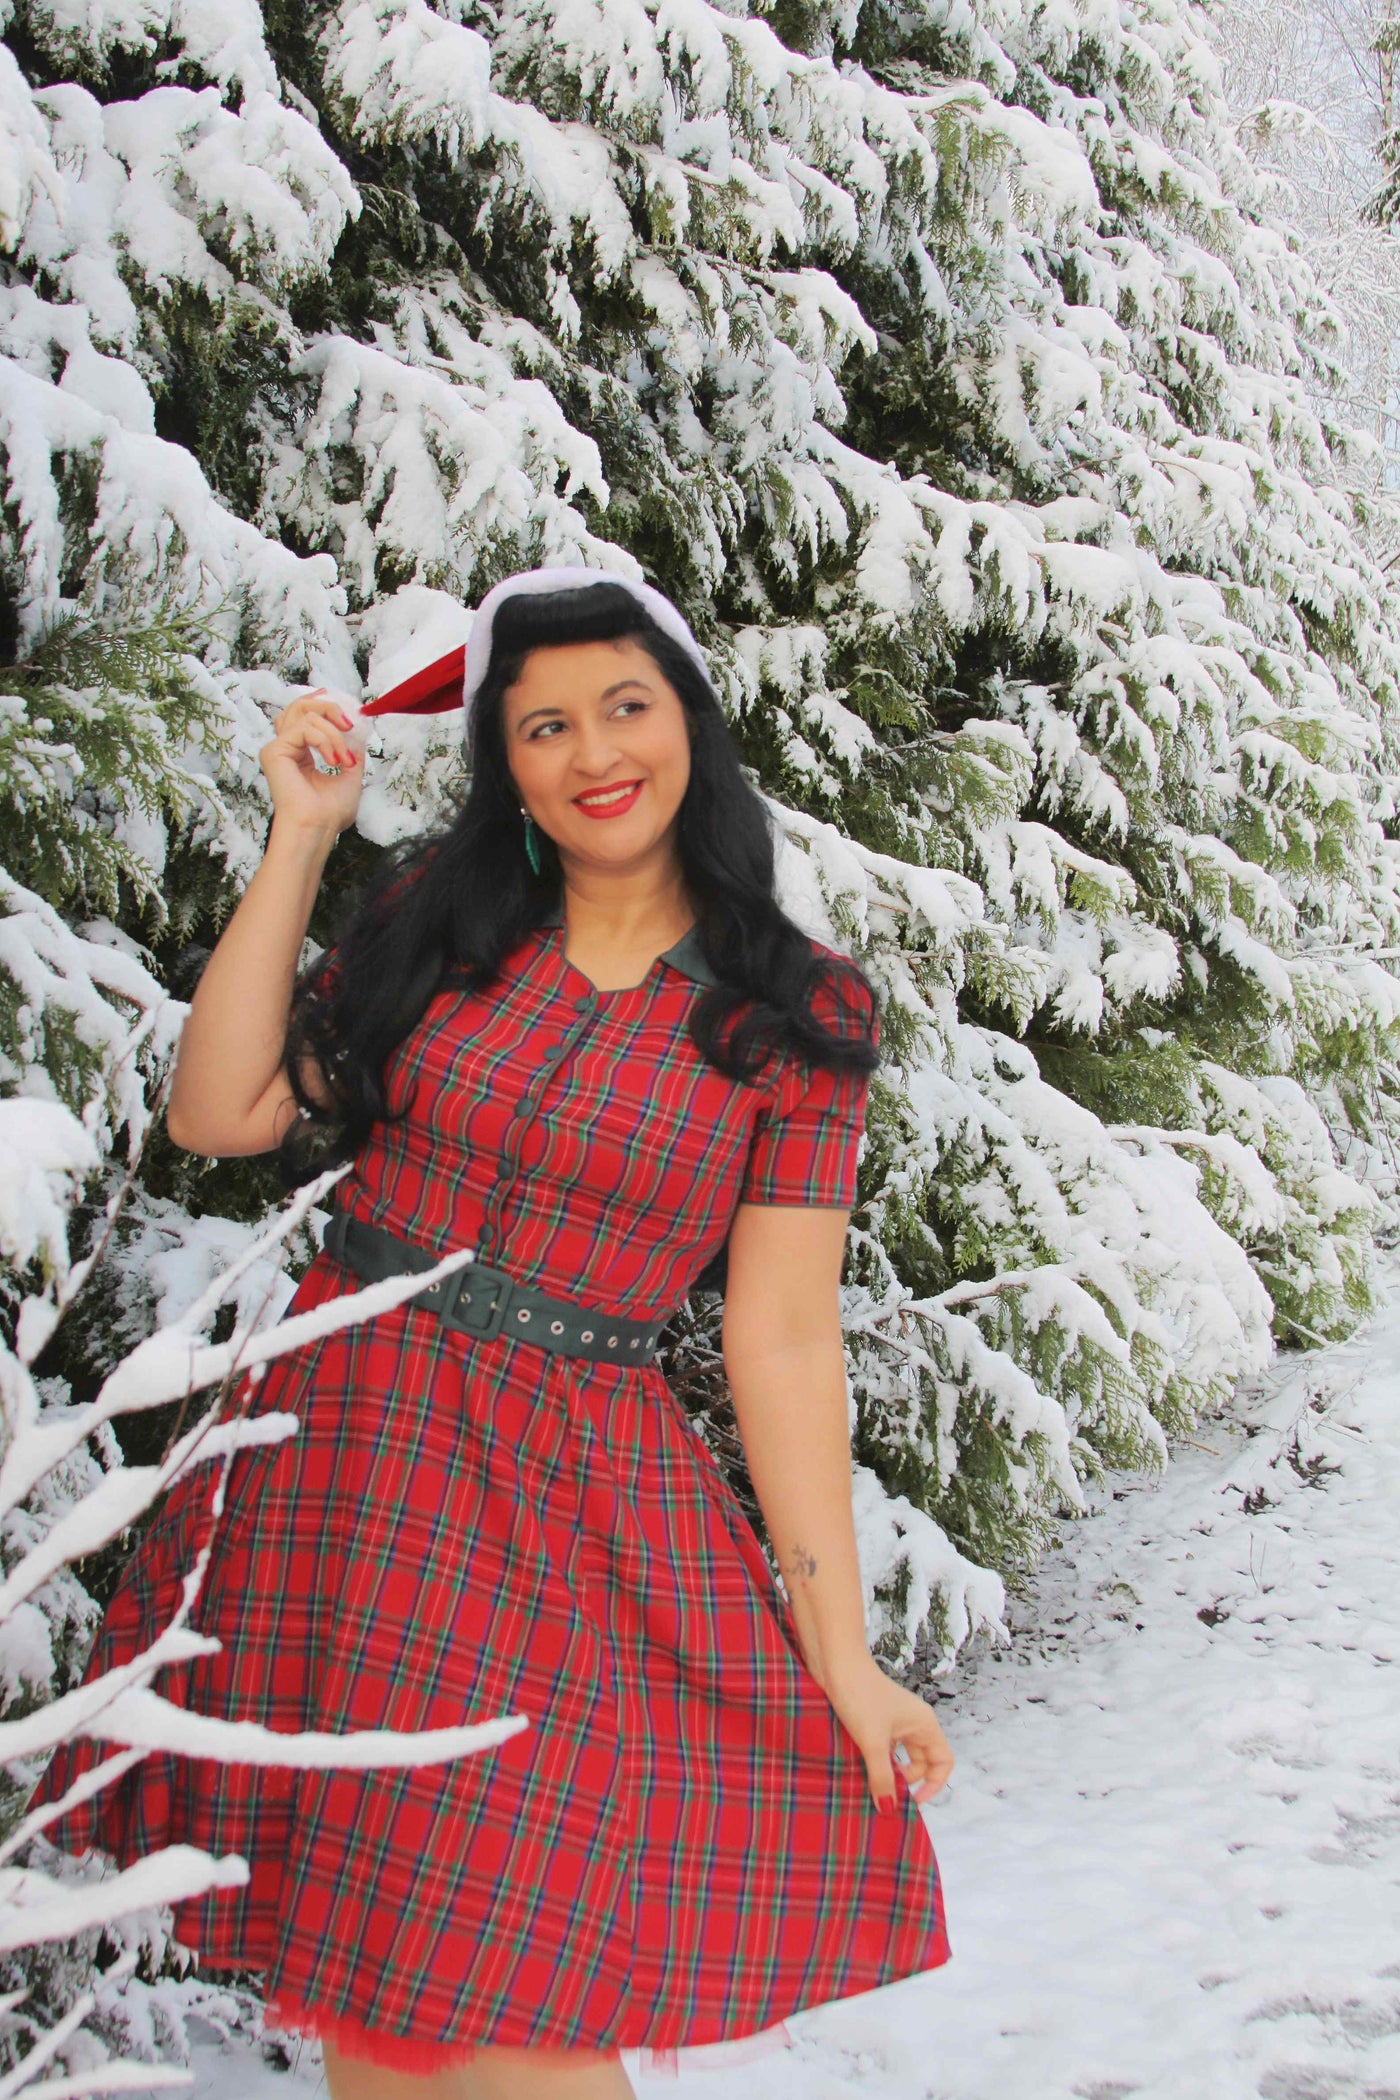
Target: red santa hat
455 679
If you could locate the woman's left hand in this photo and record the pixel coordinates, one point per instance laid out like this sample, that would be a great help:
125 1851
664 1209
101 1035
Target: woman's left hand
878 1713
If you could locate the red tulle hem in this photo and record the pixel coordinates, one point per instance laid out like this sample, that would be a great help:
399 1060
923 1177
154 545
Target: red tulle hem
396 2052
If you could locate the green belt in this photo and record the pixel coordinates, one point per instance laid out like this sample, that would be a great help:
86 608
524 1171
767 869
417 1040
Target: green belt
484 1302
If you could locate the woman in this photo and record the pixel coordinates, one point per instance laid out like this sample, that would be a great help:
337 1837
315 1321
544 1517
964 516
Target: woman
577 1033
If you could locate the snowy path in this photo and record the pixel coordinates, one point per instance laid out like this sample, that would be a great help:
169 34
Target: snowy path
1171 1847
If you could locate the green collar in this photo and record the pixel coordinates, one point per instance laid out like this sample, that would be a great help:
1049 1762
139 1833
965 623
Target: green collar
684 955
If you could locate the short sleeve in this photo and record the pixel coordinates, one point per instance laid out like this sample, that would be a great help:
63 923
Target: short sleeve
806 1137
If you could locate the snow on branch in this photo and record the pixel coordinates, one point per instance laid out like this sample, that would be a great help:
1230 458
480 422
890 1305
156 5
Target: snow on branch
38 1905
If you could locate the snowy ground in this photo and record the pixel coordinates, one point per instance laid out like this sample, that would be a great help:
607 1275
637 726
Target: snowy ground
1171 1847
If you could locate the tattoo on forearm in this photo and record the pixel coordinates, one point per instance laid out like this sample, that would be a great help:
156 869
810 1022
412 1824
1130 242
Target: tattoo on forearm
803 1562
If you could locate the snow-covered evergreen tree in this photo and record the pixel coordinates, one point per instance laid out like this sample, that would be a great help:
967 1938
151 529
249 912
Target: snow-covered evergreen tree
948 366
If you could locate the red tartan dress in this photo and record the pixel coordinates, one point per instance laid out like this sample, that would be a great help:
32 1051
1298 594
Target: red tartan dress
681 1847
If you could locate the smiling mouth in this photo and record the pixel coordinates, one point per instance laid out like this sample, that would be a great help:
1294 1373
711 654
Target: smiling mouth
604 798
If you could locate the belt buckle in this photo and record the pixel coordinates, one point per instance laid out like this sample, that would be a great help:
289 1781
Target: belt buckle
473 1283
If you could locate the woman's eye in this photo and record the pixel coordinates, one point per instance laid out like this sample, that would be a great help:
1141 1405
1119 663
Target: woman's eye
534 735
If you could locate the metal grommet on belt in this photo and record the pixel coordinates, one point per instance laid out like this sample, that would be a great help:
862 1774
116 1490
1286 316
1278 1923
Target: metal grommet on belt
587 1335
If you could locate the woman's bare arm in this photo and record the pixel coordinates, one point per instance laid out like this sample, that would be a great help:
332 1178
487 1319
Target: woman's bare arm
230 1093
786 1367
787 1373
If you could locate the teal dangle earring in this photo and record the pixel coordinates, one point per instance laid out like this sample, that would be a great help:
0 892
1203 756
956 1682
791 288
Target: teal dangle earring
532 849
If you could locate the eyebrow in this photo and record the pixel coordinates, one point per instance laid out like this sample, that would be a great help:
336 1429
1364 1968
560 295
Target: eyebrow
554 708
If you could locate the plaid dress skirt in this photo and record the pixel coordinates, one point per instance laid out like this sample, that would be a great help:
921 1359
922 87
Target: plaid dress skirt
681 1847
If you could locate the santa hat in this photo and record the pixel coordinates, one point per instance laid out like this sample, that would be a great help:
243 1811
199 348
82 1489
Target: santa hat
455 679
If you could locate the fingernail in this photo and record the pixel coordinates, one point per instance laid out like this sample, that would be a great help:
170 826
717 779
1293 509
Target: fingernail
885 1804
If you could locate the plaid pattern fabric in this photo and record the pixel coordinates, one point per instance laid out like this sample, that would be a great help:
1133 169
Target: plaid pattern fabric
681 1847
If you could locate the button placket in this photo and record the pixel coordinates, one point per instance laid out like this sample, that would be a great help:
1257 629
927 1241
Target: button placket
526 1109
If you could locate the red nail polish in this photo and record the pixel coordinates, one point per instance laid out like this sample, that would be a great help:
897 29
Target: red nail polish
885 1804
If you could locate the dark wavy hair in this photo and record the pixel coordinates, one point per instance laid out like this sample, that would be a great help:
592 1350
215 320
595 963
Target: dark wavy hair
449 907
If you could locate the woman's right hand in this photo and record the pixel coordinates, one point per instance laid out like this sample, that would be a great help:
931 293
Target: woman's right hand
318 721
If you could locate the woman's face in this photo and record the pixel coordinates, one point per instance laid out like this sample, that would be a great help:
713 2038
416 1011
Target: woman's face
583 721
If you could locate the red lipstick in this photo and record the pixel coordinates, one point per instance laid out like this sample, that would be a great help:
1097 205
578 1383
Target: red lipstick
610 809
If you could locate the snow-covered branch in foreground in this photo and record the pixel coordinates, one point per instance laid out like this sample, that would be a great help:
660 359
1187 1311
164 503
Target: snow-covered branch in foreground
119 1706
